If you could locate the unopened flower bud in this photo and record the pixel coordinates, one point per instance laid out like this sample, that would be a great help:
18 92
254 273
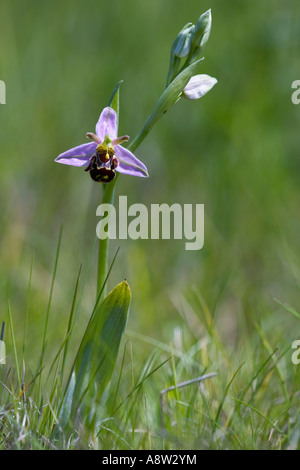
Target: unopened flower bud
201 36
182 44
180 48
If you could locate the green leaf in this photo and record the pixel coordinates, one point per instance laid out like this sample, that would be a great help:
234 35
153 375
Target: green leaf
66 405
173 92
97 354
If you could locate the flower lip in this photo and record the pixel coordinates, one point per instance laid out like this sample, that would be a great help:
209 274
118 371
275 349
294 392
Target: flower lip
102 175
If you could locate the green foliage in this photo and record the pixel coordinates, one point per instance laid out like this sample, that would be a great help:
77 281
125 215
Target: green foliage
236 150
97 354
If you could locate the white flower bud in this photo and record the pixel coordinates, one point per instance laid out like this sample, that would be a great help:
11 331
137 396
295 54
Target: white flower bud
198 86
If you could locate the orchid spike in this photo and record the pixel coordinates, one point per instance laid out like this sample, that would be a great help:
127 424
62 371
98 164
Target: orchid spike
104 155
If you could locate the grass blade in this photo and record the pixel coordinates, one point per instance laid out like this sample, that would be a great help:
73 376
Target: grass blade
14 345
48 309
27 306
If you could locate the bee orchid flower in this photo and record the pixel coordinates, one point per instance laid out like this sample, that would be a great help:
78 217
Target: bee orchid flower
104 155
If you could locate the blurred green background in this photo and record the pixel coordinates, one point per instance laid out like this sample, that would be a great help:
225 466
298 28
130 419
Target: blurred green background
235 150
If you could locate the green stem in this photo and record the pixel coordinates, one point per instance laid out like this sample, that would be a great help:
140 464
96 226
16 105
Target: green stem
140 137
108 198
169 97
